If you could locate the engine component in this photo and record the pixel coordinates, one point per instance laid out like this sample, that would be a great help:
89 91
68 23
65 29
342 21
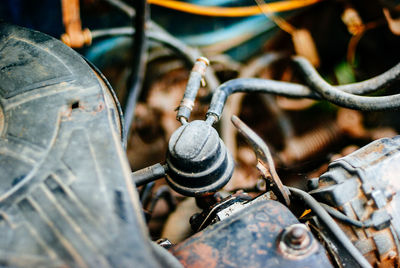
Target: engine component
265 162
364 187
192 87
198 162
220 210
66 194
265 234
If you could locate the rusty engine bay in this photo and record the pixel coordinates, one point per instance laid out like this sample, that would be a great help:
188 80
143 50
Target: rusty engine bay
190 133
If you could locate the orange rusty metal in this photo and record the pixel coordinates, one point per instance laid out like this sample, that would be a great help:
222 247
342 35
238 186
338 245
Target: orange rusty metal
353 21
348 122
74 37
248 239
394 24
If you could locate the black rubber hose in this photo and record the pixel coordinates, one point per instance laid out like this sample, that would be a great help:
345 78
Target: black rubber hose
145 193
344 218
341 98
139 61
371 85
149 174
163 192
331 225
255 85
322 88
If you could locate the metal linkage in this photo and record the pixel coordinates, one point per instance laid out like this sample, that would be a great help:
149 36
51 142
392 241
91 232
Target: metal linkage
265 162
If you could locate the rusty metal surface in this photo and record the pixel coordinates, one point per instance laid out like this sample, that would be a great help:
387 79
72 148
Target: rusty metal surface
348 123
74 37
364 186
247 239
393 23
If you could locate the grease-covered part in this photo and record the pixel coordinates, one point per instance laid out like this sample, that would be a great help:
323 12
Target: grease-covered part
197 159
66 195
247 239
364 186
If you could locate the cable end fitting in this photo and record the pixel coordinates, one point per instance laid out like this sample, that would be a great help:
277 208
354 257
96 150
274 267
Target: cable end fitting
201 65
205 60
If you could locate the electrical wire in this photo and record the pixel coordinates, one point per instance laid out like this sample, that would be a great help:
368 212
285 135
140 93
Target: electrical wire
331 225
344 218
215 11
344 99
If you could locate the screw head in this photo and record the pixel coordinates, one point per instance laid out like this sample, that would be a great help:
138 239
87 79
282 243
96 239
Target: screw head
297 235
297 242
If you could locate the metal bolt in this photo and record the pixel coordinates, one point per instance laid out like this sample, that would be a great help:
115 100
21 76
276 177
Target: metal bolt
297 242
297 235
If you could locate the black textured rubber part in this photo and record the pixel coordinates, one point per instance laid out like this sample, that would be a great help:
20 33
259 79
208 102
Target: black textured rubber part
66 198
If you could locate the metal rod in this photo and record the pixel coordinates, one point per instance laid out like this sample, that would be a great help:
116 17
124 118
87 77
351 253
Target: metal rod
149 174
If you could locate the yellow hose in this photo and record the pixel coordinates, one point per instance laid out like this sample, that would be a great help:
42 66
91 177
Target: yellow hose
214 11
